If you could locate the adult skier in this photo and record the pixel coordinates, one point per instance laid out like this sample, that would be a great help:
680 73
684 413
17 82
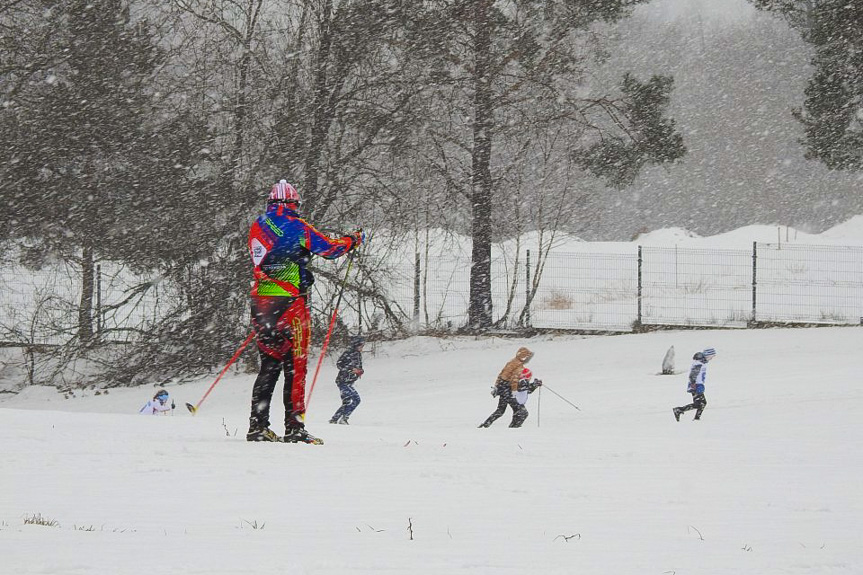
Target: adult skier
504 388
695 385
350 366
281 244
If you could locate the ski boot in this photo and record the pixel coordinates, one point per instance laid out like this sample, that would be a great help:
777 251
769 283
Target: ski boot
300 435
677 413
265 434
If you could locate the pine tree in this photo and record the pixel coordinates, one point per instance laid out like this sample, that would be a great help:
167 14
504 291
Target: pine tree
832 112
651 137
83 145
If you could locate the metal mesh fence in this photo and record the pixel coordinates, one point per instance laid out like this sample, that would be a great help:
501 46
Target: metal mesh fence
432 293
809 284
443 290
37 307
41 307
702 287
587 291
126 304
598 287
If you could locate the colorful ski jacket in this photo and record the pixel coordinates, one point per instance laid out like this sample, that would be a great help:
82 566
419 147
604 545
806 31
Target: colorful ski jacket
697 374
281 245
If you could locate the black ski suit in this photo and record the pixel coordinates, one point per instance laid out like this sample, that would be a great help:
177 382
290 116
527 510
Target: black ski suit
503 392
350 366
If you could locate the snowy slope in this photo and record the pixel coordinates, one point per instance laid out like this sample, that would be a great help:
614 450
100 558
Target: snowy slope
767 482
849 233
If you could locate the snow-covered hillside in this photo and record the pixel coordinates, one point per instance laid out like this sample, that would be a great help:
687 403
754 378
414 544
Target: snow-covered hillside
767 482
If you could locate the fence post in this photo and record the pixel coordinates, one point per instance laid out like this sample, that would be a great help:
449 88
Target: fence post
527 290
638 318
416 290
754 280
99 323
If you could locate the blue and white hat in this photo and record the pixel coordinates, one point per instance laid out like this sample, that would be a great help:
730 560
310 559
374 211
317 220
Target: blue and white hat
709 352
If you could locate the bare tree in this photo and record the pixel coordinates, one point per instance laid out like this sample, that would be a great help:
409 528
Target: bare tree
499 61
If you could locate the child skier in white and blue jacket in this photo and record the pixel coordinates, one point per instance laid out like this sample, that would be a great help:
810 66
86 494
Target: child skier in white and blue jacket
695 385
350 366
158 405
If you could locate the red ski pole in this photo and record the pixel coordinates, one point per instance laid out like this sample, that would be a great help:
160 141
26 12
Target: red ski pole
329 331
194 408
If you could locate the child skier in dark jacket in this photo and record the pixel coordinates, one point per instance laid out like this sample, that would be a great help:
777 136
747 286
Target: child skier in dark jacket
350 366
696 383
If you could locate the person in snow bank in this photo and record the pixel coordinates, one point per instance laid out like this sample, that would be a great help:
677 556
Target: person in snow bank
281 244
158 405
504 388
695 386
350 366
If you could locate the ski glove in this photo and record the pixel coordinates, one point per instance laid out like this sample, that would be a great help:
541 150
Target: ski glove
359 237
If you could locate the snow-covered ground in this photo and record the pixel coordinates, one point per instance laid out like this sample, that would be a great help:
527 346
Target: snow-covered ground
769 481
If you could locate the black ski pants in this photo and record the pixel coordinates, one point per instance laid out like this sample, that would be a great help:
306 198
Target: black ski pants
504 398
262 392
699 402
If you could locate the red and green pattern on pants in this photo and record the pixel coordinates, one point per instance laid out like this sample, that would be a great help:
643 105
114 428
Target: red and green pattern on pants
282 330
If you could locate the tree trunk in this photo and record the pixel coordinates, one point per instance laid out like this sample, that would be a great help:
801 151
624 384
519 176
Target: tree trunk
241 109
320 121
480 307
85 307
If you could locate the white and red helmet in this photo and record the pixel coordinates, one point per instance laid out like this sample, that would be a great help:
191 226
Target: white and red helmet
526 373
284 192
